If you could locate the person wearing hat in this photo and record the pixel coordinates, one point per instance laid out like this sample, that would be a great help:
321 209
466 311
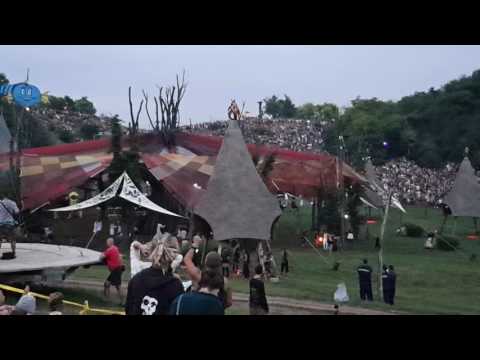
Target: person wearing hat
365 280
152 290
207 299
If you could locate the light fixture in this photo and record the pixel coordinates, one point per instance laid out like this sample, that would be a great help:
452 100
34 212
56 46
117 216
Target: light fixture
346 216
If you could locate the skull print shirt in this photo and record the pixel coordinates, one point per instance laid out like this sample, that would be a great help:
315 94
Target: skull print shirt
151 292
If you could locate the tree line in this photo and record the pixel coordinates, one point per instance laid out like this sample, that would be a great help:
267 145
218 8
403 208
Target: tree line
431 127
34 133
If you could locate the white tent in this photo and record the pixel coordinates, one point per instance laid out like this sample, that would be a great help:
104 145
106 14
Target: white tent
129 192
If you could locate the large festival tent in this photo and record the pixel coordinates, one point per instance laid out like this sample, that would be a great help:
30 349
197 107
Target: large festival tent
48 173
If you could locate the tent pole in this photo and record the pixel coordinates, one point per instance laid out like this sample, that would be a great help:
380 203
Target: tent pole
380 251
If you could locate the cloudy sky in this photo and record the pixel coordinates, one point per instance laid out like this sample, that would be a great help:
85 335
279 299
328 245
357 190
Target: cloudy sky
217 74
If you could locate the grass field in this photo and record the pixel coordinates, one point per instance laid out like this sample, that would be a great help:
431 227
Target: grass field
428 282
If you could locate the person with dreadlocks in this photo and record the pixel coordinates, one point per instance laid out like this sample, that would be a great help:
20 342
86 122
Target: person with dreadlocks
152 290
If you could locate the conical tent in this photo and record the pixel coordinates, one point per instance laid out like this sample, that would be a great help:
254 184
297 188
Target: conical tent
464 198
237 204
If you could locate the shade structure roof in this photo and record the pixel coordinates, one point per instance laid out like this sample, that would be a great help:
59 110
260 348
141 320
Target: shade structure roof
237 204
184 170
464 197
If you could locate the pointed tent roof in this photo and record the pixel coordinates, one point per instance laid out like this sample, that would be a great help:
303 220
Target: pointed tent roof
237 204
5 136
464 198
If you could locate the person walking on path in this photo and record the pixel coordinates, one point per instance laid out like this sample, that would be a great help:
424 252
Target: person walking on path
111 256
258 300
365 280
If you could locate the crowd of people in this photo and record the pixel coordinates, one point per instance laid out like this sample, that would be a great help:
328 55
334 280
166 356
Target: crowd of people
415 185
292 134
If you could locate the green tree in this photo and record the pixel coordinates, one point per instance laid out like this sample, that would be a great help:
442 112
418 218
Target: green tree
66 136
280 108
88 131
56 103
69 103
85 106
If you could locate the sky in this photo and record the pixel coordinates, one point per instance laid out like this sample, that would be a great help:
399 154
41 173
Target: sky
217 74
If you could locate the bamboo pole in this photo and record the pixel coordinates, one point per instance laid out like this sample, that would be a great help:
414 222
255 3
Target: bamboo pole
380 251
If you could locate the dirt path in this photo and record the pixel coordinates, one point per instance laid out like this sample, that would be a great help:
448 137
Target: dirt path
278 305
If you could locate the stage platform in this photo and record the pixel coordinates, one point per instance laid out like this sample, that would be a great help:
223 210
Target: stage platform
44 262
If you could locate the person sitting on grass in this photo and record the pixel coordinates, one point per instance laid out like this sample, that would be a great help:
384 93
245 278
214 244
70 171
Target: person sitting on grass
55 303
258 300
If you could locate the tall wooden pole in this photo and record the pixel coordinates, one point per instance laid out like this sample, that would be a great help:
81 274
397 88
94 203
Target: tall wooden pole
382 233
341 191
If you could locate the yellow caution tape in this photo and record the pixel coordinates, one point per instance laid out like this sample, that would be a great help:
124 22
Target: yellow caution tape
85 307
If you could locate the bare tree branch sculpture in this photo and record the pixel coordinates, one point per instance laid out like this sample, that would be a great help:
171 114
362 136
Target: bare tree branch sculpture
133 124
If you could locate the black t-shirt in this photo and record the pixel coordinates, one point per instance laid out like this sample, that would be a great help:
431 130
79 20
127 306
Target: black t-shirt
364 273
257 294
150 292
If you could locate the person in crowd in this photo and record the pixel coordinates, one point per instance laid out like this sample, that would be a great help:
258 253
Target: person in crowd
365 280
268 265
385 285
350 236
392 280
55 303
246 265
258 301
429 243
26 305
336 310
152 290
284 263
207 299
8 221
236 260
226 263
73 199
195 273
113 259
